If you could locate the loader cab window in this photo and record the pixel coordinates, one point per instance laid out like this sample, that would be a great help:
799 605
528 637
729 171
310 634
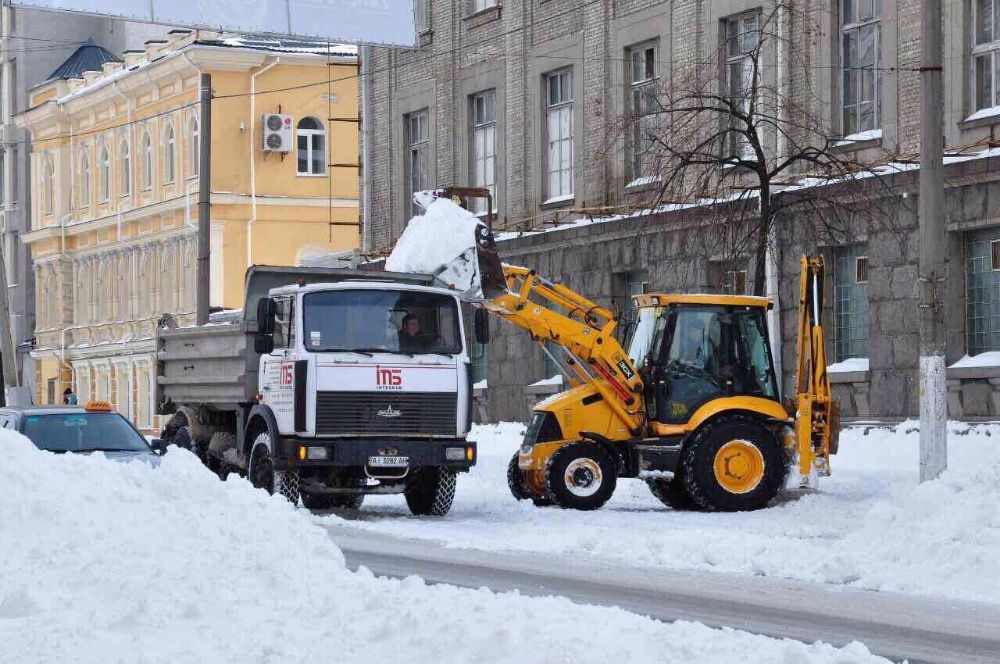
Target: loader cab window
694 365
648 330
753 369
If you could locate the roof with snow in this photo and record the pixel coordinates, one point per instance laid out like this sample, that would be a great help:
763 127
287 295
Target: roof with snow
282 45
88 57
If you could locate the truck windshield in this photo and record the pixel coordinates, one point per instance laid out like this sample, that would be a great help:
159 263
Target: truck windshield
381 321
83 432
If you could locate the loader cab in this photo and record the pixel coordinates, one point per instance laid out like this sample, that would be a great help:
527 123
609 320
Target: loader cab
692 349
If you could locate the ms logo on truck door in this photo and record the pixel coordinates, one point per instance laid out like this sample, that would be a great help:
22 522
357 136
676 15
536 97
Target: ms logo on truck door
287 373
388 379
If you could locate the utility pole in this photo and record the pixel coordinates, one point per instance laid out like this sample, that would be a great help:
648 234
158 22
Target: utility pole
933 237
8 362
203 292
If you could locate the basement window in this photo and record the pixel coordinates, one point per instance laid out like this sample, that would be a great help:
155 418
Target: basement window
850 306
861 270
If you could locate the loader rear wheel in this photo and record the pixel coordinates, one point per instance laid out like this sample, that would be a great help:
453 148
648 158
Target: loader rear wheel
671 493
580 476
732 464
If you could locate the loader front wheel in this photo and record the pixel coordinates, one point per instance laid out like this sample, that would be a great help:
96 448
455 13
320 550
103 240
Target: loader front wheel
580 476
733 464
516 481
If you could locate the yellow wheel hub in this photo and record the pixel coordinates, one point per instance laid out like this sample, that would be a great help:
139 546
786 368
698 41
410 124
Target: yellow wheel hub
739 466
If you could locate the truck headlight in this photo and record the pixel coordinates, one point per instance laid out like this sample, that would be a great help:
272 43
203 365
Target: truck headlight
317 453
454 453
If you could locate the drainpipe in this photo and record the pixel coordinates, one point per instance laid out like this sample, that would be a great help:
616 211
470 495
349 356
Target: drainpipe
366 199
253 175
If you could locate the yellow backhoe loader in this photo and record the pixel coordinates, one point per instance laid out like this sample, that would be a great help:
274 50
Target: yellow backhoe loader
691 404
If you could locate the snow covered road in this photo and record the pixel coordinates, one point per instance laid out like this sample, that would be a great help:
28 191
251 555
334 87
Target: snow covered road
870 526
899 627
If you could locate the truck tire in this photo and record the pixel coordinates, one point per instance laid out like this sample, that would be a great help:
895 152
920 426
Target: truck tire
732 464
176 421
580 476
217 446
327 501
671 493
263 475
430 491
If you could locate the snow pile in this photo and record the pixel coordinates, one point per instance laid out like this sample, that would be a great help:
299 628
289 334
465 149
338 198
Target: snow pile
441 242
106 561
990 358
850 365
870 525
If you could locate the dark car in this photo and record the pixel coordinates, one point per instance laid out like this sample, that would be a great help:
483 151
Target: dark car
79 429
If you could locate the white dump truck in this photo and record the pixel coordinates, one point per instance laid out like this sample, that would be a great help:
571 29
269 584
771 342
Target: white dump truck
329 385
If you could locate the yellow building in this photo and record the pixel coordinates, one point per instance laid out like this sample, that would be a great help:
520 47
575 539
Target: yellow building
114 169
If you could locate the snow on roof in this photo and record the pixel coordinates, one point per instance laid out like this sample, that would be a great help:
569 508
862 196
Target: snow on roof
282 45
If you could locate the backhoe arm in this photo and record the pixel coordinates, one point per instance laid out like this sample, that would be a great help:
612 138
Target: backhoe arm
551 312
817 418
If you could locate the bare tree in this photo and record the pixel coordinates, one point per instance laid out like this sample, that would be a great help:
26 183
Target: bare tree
749 143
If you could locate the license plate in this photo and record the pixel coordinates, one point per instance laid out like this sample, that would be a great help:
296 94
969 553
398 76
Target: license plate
388 461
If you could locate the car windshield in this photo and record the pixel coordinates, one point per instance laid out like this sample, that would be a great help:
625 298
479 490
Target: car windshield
381 320
83 432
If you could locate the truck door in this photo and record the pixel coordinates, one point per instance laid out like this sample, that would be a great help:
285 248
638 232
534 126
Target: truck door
277 371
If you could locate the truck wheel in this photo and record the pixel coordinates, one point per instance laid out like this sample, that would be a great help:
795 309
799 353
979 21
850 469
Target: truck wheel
430 491
671 493
176 421
217 446
580 476
733 463
263 475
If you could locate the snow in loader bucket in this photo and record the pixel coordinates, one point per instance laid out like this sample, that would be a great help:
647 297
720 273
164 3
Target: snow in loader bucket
451 244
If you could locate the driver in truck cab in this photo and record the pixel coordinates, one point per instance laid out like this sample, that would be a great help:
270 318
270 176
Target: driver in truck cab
411 338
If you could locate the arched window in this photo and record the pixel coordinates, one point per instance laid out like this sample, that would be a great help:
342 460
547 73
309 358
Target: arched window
48 184
104 174
311 147
84 198
146 148
126 152
194 147
169 147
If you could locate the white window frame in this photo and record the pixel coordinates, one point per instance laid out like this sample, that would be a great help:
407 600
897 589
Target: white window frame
483 153
855 25
315 142
417 132
641 86
740 56
169 153
483 5
987 51
194 146
559 135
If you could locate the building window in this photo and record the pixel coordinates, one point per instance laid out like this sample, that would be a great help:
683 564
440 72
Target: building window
48 184
311 147
194 147
104 174
484 128
982 291
559 134
742 58
169 153
418 148
734 282
640 62
851 301
147 160
126 183
629 284
84 198
985 54
423 13
481 5
860 59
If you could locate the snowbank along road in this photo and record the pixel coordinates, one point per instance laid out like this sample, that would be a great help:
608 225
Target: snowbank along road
105 561
870 526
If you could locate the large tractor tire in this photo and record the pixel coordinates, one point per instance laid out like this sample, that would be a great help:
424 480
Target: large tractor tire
733 464
328 501
580 476
671 493
519 485
430 491
263 475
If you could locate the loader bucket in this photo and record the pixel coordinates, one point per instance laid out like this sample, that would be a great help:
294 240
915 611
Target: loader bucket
451 244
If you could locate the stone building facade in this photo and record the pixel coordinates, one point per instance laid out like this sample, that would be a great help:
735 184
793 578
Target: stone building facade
115 179
558 78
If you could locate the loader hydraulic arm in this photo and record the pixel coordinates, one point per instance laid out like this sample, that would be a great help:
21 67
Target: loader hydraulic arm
817 417
551 312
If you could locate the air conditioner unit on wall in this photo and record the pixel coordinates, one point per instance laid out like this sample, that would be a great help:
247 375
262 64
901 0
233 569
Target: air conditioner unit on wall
277 132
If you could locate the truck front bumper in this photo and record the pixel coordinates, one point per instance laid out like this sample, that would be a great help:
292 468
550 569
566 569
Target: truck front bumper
455 454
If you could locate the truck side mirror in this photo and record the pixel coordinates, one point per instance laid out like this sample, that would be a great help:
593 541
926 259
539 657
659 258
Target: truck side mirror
265 316
262 345
481 326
